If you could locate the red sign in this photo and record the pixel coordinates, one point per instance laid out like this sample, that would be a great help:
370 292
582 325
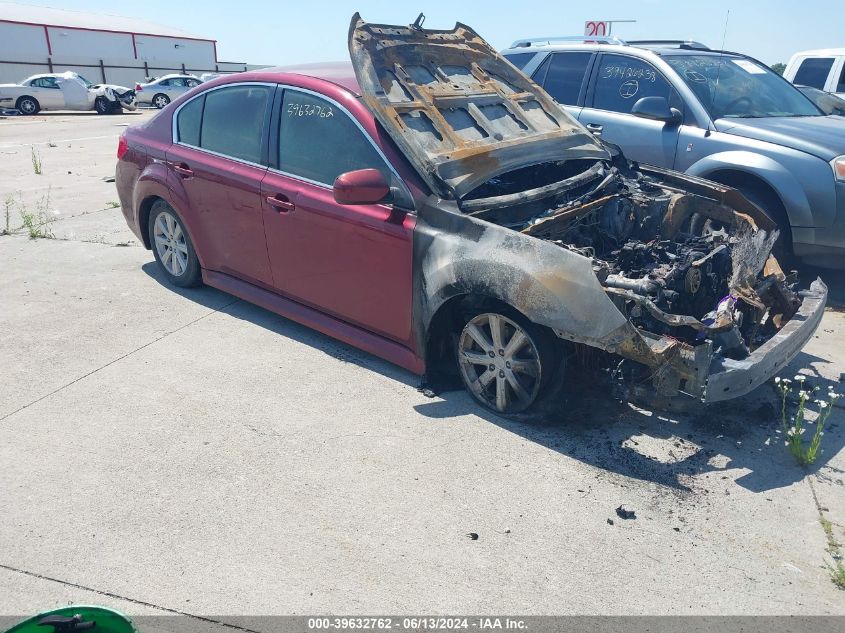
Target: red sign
596 28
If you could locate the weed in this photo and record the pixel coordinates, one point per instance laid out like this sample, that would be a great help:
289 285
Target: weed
37 222
36 161
111 204
8 203
795 426
837 570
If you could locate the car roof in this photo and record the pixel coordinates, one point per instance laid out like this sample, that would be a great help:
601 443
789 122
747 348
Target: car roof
340 73
609 45
172 76
820 52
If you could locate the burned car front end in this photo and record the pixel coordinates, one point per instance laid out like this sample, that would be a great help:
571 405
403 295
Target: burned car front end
710 314
670 277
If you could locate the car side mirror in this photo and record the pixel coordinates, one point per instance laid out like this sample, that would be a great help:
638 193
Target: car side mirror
362 186
656 109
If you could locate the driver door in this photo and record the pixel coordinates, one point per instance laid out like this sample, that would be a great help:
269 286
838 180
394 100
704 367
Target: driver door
351 261
619 81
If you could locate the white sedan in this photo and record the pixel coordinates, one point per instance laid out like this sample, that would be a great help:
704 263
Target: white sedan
159 92
65 91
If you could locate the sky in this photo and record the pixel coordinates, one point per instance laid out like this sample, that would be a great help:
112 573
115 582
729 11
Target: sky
279 32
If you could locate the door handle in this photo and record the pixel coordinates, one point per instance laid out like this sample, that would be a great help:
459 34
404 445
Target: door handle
281 203
595 128
183 170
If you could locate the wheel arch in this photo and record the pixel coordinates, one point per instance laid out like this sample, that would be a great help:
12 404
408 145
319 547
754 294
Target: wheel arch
772 176
26 96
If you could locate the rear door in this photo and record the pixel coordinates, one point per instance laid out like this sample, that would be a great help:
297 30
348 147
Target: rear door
217 161
564 76
618 82
48 93
351 261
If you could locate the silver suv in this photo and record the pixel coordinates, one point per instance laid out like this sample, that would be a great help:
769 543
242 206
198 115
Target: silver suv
715 114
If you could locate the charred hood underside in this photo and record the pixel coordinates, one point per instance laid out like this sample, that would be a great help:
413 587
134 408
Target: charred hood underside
459 111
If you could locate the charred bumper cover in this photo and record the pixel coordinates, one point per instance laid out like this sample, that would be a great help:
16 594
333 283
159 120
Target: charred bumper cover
732 378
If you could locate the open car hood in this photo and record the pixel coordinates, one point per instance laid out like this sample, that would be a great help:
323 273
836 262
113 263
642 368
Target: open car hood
461 113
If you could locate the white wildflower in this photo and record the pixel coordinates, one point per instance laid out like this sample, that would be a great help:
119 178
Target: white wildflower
822 404
800 378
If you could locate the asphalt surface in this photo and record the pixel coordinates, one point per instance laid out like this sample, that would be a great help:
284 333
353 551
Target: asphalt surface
180 451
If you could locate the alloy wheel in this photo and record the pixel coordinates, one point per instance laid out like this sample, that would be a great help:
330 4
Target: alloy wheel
160 101
500 363
170 244
27 106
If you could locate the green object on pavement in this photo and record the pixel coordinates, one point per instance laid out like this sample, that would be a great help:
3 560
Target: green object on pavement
75 619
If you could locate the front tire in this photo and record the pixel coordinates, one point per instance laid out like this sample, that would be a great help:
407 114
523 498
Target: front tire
28 105
172 247
160 101
504 360
102 105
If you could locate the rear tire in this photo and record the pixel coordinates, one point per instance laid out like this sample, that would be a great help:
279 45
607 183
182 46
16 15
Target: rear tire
28 105
505 361
172 247
160 100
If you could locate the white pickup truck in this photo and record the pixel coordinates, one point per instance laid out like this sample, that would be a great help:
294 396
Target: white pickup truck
823 69
65 91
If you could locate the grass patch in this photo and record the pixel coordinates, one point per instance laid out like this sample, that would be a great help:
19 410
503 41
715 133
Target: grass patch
8 204
111 204
34 222
837 570
36 161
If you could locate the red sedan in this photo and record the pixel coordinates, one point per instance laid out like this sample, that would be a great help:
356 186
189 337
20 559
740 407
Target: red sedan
432 205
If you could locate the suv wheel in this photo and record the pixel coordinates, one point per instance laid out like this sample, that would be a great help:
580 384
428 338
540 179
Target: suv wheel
502 361
172 247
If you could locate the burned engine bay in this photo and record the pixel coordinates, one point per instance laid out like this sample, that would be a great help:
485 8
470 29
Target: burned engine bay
680 265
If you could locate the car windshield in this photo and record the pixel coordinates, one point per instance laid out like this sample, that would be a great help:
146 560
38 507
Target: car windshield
87 83
736 87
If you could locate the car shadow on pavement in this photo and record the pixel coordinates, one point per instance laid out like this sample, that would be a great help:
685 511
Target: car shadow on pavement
669 449
591 426
231 305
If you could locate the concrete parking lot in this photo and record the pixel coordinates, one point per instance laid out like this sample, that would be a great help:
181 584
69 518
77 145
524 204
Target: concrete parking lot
169 450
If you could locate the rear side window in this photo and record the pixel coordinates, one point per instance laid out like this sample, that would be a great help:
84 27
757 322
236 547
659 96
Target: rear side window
319 142
188 122
813 71
519 59
233 121
622 81
840 85
44 82
565 76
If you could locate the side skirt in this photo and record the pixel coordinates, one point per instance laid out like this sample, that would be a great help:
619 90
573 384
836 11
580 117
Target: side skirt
355 336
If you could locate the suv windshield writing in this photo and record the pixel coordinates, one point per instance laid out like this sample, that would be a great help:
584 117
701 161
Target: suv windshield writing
738 87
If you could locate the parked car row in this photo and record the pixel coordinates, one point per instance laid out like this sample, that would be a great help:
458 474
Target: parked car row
435 206
71 91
